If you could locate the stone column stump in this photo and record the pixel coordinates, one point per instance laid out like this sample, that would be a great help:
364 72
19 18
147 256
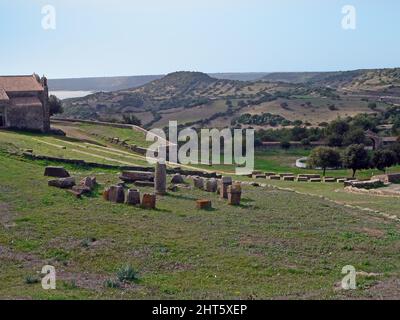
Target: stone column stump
211 185
133 197
225 182
234 194
198 183
148 201
116 194
203 204
160 179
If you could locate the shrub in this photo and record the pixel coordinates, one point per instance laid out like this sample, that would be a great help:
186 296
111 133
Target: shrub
127 273
112 284
32 279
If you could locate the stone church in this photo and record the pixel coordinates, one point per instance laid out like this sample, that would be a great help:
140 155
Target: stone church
24 103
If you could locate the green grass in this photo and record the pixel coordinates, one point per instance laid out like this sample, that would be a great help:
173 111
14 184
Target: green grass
276 244
282 161
67 148
130 136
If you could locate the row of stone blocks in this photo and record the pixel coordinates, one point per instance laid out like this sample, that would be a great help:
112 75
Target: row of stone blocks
116 194
299 178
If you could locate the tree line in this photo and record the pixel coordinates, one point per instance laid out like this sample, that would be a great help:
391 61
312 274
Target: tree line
355 157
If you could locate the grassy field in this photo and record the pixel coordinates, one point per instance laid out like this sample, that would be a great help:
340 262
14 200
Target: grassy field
282 161
68 148
95 130
277 244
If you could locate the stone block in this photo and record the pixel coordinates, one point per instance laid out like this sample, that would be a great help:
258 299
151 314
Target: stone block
203 204
286 174
198 183
148 201
302 179
133 176
259 176
177 179
133 197
63 183
276 177
106 194
268 174
116 194
56 172
88 182
234 194
288 178
211 185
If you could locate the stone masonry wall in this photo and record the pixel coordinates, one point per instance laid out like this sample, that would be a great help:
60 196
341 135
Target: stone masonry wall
25 117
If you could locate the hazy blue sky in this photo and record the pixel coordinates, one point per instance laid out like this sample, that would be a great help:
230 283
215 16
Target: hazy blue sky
121 37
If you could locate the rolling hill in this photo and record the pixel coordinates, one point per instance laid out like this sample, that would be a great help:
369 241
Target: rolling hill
195 98
96 84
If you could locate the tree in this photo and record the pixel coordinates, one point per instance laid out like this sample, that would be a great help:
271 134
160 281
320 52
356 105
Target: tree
384 158
55 105
356 157
336 131
338 127
354 136
324 157
335 140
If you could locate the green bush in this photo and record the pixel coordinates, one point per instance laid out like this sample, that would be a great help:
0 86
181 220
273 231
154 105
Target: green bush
127 273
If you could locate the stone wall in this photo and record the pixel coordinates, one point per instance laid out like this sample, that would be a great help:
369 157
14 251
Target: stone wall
25 117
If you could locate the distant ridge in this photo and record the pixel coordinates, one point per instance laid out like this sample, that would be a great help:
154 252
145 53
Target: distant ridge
100 83
129 82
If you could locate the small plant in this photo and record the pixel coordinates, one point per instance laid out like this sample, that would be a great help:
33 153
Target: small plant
87 242
112 284
127 273
32 279
70 285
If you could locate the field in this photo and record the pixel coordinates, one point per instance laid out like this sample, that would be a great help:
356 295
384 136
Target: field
287 240
276 245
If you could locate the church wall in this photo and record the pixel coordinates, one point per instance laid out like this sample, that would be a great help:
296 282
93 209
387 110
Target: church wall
25 117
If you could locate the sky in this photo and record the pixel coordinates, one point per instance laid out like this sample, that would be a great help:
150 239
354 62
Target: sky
145 37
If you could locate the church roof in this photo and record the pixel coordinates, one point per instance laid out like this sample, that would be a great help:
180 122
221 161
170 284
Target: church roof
19 84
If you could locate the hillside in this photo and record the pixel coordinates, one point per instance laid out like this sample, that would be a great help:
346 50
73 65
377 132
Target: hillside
357 79
100 83
96 84
195 98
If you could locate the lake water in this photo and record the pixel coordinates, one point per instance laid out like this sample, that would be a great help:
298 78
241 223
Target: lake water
70 94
